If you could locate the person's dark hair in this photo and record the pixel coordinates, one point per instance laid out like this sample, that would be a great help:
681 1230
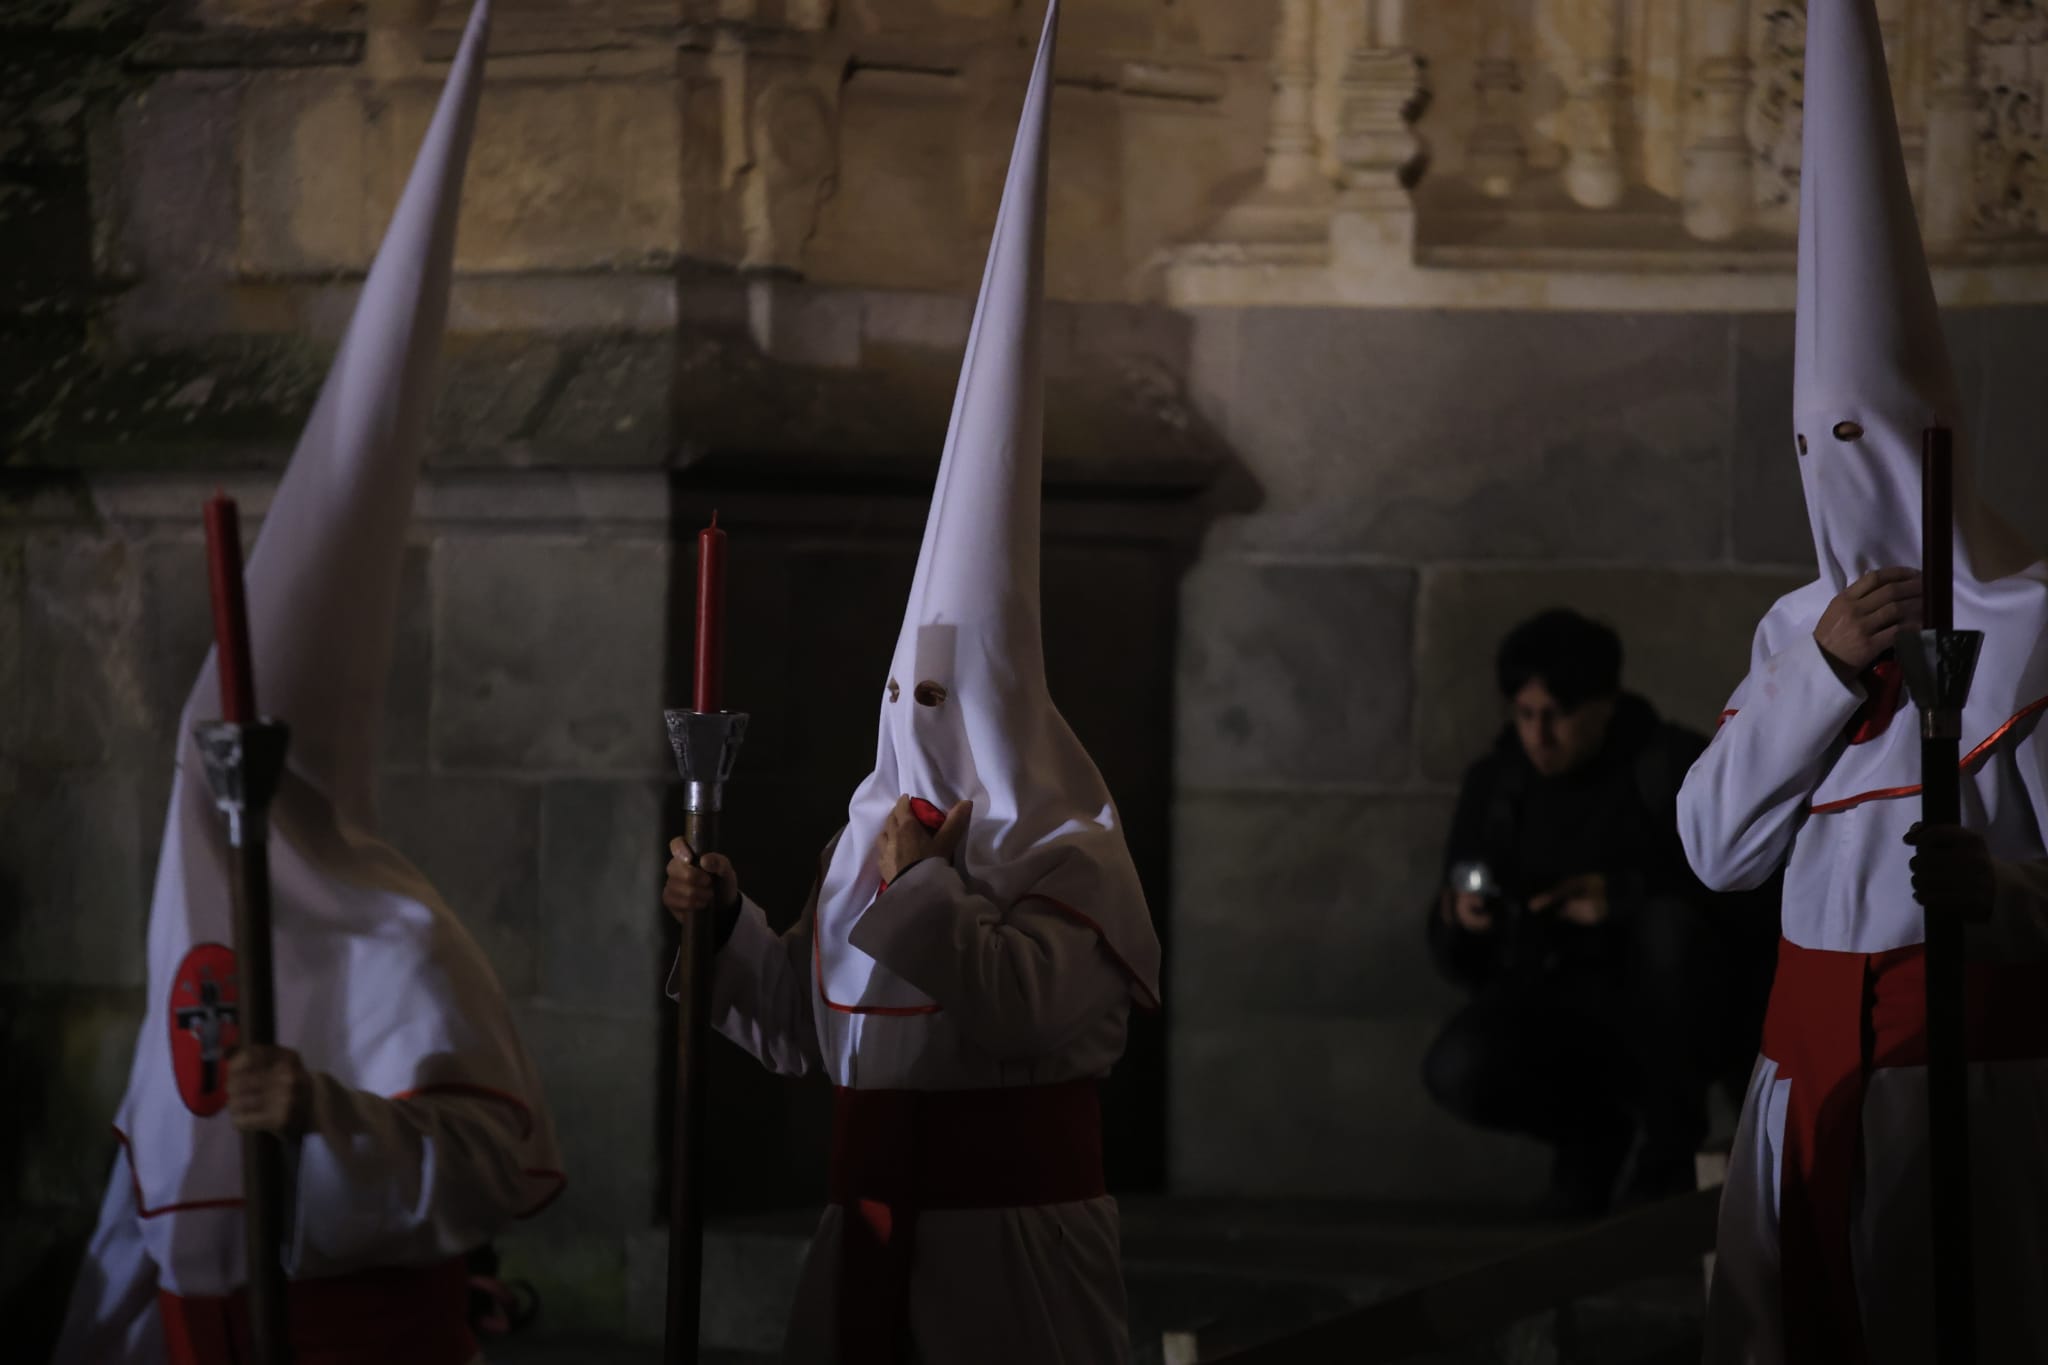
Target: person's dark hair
1575 658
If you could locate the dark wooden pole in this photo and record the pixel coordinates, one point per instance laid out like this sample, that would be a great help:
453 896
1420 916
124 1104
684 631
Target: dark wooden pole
263 1188
1948 1098
686 1203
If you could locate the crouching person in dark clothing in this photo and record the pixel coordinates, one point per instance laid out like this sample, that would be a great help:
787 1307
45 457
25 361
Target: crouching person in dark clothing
1610 989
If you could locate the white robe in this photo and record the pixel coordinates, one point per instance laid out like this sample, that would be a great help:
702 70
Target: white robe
374 1183
1027 996
1746 808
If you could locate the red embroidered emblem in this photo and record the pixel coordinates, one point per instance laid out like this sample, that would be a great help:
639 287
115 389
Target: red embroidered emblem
204 1027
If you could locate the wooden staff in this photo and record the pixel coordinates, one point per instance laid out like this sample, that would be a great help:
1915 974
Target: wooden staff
1947 655
706 739
244 757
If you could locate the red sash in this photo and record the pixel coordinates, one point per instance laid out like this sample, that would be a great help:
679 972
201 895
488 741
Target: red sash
897 1152
373 1317
1834 1018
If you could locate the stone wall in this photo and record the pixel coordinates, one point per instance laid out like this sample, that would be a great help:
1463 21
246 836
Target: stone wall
1425 481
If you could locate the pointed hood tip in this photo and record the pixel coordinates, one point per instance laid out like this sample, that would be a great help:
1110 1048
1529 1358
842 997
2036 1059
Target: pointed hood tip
323 576
979 558
1868 326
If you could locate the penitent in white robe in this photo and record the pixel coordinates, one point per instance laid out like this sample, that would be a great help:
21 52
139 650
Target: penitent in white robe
1748 805
1027 995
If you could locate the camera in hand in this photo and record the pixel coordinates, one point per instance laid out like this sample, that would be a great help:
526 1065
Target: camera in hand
1524 939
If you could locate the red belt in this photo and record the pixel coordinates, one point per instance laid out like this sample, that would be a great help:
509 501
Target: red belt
896 1153
1834 1018
373 1317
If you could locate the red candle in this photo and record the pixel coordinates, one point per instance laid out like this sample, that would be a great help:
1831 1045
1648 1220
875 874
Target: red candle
230 611
710 694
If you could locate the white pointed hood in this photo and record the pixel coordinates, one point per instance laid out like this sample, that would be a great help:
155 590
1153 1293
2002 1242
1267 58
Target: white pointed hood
1871 356
965 712
378 984
1872 372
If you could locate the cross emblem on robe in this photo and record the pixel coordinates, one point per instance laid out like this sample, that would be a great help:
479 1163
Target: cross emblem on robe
205 1021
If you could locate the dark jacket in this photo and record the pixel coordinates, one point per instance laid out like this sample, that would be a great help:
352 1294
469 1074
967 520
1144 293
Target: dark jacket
1616 815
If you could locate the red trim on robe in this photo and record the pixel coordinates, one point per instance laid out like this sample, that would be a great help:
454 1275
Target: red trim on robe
1896 793
896 1153
1834 1018
560 1178
388 1316
1884 686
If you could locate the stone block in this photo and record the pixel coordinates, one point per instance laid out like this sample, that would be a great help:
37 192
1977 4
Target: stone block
13 647
492 390
83 683
176 630
2011 414
305 161
408 698
1307 906
563 175
601 932
930 20
1685 633
1294 673
581 1280
901 161
178 140
68 1056
612 405
1229 28
1767 515
1186 160
1117 26
797 325
1476 435
918 321
478 842
548 653
1085 196
74 902
1306 1107
600 1076
752 1268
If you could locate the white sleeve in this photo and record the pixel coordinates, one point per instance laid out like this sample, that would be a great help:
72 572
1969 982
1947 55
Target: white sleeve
413 1181
761 992
112 1319
1020 981
1749 793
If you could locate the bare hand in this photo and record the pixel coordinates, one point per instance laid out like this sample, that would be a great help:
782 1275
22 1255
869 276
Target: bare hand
1952 871
1580 900
1466 910
269 1091
694 883
1868 616
905 841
